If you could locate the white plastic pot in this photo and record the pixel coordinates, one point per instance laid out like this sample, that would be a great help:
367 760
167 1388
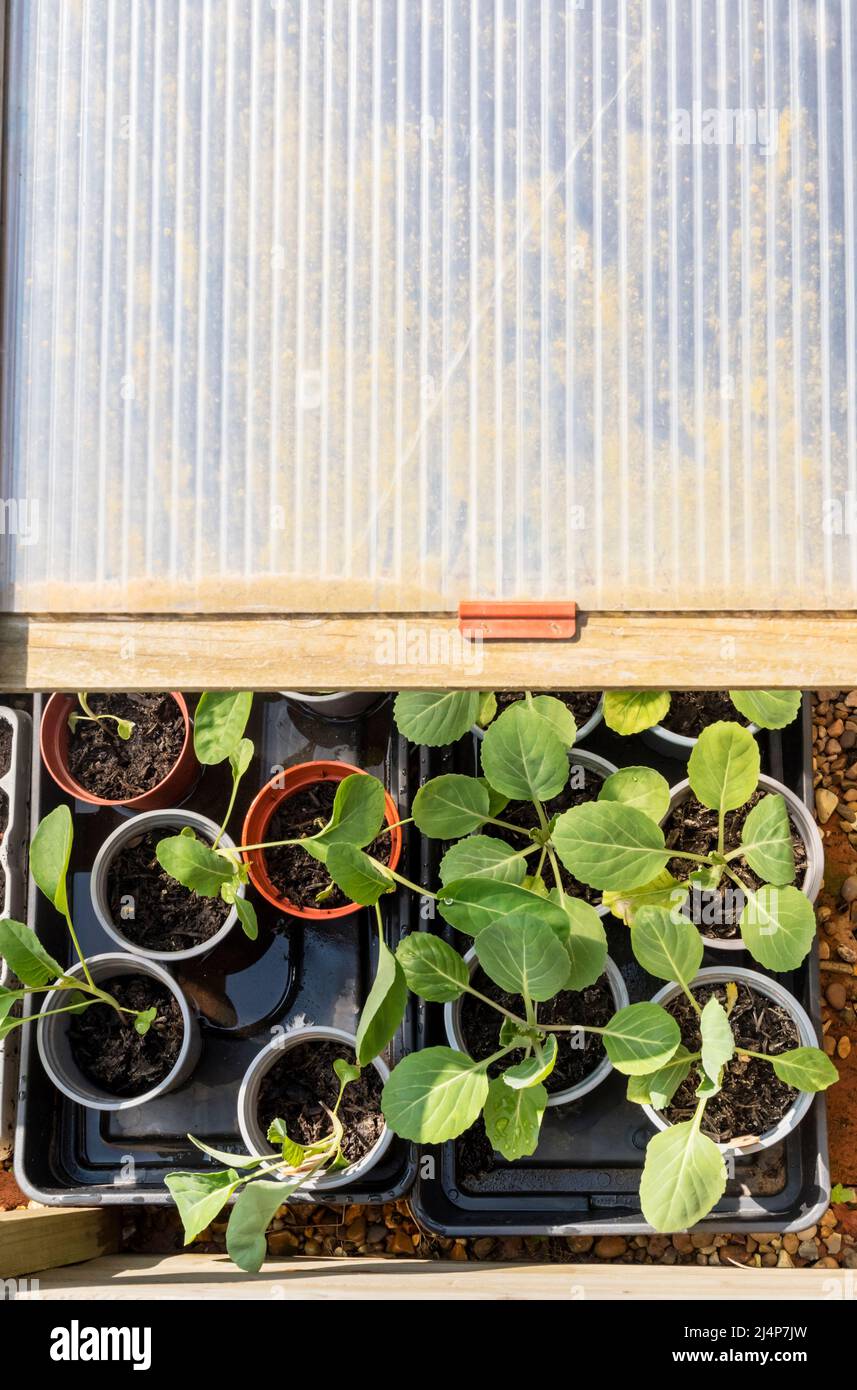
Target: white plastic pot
772 989
336 704
248 1101
672 745
455 1035
171 822
809 833
583 732
52 1036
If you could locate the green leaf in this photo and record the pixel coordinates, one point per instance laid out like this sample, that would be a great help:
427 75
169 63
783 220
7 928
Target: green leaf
766 840
657 1088
663 891
482 856
346 1071
533 1069
436 717
219 724
770 709
683 1178
522 757
777 926
358 812
608 845
497 802
231 1160
361 880
195 864
718 1045
487 708
449 806
241 757
251 1215
25 956
558 717
8 1000
523 956
641 1038
278 1136
384 1008
50 852
641 787
472 904
513 1119
144 1020
432 969
805 1068
669 949
199 1197
839 1193
585 942
723 768
247 917
434 1095
631 711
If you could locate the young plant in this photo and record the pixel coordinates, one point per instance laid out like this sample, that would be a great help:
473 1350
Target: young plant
124 727
438 1093
616 844
210 870
262 1184
632 711
684 1175
38 972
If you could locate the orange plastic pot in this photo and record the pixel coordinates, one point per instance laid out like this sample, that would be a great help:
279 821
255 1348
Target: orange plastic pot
53 741
260 815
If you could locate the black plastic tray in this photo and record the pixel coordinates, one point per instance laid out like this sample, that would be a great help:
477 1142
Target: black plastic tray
65 1154
584 1177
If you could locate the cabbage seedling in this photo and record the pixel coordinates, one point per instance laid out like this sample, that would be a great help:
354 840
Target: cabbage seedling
124 727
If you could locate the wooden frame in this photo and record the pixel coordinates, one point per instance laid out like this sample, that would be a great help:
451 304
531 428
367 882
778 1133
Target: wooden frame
399 651
40 1238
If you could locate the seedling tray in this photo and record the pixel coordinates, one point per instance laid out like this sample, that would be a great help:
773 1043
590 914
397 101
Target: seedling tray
14 800
584 1177
243 991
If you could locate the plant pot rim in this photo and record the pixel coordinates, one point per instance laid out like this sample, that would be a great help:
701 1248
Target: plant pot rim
53 745
107 964
261 812
583 732
247 1097
116 840
809 833
763 984
679 745
618 988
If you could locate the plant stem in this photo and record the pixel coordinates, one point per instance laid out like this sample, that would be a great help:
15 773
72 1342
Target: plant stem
505 825
79 952
229 808
483 998
415 887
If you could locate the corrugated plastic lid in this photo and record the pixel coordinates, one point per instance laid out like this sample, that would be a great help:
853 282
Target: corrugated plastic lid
385 304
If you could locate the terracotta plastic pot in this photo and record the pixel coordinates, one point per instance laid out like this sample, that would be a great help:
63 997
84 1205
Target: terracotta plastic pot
771 989
248 1100
260 815
455 1033
54 748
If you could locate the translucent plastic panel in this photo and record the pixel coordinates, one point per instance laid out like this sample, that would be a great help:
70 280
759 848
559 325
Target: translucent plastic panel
381 304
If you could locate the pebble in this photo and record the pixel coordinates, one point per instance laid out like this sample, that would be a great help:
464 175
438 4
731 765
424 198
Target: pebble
482 1248
784 1260
836 995
834 1243
825 804
376 1233
283 1243
808 1250
791 1243
610 1247
580 1245
843 1047
847 953
683 1243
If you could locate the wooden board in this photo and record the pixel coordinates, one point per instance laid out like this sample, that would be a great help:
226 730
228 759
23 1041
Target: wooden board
40 1238
125 1277
392 652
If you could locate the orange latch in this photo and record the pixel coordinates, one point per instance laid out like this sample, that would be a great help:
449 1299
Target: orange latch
522 621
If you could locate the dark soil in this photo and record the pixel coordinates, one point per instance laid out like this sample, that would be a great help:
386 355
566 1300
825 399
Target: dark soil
118 769
303 1081
691 711
293 872
582 703
480 1026
4 814
5 746
109 1050
167 916
752 1098
524 814
2 889
692 827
